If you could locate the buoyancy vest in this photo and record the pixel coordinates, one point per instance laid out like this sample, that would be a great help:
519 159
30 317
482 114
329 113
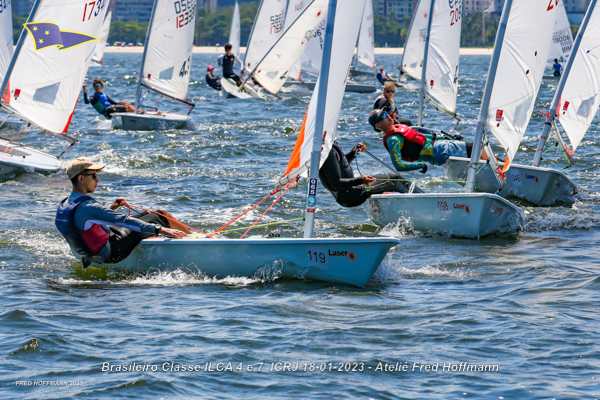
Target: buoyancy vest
228 62
102 103
84 243
413 142
344 166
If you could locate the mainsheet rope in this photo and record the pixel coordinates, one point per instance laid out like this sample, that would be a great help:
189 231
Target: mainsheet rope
14 137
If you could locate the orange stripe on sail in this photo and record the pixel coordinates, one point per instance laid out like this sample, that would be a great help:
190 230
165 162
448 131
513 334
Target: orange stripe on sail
70 116
6 95
295 158
506 164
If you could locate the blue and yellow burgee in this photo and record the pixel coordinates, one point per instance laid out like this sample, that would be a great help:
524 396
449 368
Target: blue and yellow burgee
47 34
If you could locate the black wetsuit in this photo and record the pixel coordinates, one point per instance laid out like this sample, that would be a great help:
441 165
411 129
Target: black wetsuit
390 107
213 81
227 62
104 104
336 176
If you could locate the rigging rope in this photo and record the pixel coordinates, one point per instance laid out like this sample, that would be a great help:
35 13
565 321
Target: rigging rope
129 206
14 137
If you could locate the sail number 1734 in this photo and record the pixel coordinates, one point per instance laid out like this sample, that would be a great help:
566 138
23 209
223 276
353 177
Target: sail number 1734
185 10
90 7
455 11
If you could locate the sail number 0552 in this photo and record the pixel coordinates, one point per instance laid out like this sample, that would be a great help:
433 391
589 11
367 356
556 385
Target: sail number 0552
185 10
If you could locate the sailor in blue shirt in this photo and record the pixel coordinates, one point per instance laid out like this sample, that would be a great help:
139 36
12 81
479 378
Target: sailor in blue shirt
100 234
382 76
104 104
557 68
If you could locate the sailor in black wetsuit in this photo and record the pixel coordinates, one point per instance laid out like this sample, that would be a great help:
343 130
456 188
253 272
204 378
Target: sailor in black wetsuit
337 176
226 61
212 80
104 104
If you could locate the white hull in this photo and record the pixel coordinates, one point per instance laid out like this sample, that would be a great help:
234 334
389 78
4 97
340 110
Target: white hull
149 121
470 215
338 260
358 72
350 87
540 186
230 90
17 158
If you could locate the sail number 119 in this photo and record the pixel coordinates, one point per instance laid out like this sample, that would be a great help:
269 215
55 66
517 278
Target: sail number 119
317 257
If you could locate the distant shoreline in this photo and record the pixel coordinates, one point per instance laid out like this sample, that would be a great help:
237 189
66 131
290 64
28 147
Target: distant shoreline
219 49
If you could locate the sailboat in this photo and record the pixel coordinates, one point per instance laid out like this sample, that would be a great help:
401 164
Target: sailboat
275 66
267 29
365 48
166 65
575 103
101 45
235 34
562 40
514 77
351 261
43 80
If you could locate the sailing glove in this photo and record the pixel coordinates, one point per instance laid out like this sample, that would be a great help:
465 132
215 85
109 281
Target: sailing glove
424 169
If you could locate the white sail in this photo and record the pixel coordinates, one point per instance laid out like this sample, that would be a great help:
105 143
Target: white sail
520 71
442 59
313 53
345 33
274 68
268 27
101 45
234 33
414 48
365 49
581 95
295 8
50 67
6 37
562 38
169 48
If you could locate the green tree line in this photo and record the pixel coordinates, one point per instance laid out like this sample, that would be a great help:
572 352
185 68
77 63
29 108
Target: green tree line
212 29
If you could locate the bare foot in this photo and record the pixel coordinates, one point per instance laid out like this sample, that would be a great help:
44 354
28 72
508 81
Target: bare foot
158 113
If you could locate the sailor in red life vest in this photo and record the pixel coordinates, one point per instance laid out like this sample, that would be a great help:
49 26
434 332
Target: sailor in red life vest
100 234
410 149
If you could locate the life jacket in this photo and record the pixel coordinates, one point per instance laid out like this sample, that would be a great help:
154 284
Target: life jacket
102 103
228 62
413 142
85 243
344 166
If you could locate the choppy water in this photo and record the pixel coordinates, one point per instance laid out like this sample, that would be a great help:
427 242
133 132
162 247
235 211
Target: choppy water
526 304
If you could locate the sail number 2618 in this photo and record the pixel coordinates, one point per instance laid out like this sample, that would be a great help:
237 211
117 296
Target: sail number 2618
89 7
455 11
185 10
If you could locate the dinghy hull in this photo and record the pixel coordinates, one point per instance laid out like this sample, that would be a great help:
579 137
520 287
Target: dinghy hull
337 260
16 159
230 90
540 186
149 121
470 215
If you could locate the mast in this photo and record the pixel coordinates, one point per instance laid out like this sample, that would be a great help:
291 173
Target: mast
424 69
147 41
561 85
487 94
315 155
20 43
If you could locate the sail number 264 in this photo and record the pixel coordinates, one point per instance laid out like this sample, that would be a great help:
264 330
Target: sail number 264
89 7
185 10
455 11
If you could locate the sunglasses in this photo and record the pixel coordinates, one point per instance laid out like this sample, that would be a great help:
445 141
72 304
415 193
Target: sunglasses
97 84
390 91
94 177
382 116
